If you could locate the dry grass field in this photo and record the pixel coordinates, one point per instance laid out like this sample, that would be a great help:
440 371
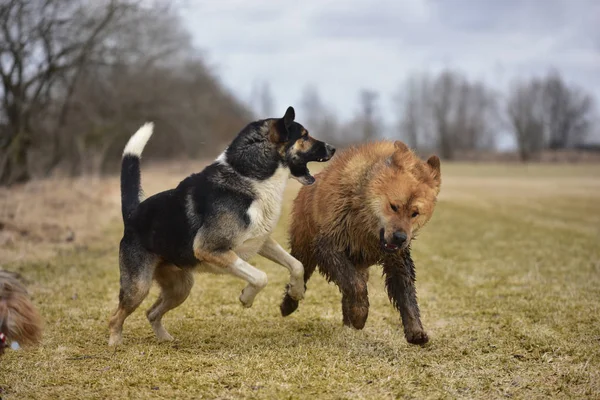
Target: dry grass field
508 277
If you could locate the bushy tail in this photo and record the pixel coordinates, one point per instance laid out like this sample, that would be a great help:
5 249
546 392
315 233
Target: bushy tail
131 189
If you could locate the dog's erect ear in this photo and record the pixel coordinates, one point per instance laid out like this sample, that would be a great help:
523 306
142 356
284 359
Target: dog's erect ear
401 154
282 126
434 163
400 146
289 117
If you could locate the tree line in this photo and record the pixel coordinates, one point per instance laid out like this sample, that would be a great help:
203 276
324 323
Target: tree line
77 77
452 114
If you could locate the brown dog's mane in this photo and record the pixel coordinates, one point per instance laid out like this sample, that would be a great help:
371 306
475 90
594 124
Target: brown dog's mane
345 191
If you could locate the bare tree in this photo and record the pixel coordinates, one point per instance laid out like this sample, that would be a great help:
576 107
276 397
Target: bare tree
525 110
367 117
43 44
138 56
320 120
78 76
312 107
568 112
477 118
443 101
452 113
266 101
414 110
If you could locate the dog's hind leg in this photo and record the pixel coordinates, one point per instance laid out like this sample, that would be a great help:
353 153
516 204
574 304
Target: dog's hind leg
274 252
175 284
230 263
399 271
137 268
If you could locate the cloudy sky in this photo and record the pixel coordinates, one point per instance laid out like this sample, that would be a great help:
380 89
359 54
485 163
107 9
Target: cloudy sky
343 46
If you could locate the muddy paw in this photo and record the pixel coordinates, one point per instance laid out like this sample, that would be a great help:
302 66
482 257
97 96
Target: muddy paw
288 306
418 337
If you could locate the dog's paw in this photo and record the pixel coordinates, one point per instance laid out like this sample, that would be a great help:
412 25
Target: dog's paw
246 297
162 335
417 337
165 337
288 306
115 340
296 291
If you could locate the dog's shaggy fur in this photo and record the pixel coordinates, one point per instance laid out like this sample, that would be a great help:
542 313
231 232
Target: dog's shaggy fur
364 209
213 221
19 318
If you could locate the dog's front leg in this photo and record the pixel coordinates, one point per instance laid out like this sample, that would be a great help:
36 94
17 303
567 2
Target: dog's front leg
399 271
230 263
273 251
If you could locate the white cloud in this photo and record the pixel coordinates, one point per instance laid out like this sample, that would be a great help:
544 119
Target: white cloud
342 46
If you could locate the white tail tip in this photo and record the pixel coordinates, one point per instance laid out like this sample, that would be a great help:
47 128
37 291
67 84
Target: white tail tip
138 141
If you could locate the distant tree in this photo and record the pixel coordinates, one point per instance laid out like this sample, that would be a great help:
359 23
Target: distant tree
368 114
266 101
312 106
568 112
548 113
443 101
43 45
447 112
79 76
477 118
414 111
525 110
319 119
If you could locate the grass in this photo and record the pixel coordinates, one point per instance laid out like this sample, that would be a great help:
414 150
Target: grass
509 285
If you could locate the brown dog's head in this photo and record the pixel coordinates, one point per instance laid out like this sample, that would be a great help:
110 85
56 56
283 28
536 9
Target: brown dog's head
297 147
405 193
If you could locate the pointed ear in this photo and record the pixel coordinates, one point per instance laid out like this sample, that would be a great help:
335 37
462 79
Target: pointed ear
289 117
401 154
434 163
400 146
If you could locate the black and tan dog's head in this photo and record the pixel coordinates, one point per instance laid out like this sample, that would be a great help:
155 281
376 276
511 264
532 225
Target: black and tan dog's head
296 147
265 145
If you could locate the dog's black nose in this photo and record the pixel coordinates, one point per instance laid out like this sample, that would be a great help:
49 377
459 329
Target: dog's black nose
330 149
399 238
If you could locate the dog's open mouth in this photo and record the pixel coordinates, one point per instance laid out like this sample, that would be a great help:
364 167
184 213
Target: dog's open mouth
385 246
306 180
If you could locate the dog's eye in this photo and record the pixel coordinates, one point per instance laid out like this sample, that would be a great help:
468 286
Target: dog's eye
394 207
415 214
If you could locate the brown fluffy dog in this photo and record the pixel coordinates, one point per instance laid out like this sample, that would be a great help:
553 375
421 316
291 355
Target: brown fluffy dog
364 209
19 319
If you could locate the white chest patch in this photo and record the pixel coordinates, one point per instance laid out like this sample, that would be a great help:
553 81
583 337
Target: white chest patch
264 212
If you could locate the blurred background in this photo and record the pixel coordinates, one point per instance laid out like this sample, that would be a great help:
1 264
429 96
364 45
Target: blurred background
516 80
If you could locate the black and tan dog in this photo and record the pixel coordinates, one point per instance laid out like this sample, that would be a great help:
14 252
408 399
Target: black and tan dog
213 221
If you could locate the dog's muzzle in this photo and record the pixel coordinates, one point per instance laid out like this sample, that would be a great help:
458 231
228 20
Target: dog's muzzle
398 241
330 151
